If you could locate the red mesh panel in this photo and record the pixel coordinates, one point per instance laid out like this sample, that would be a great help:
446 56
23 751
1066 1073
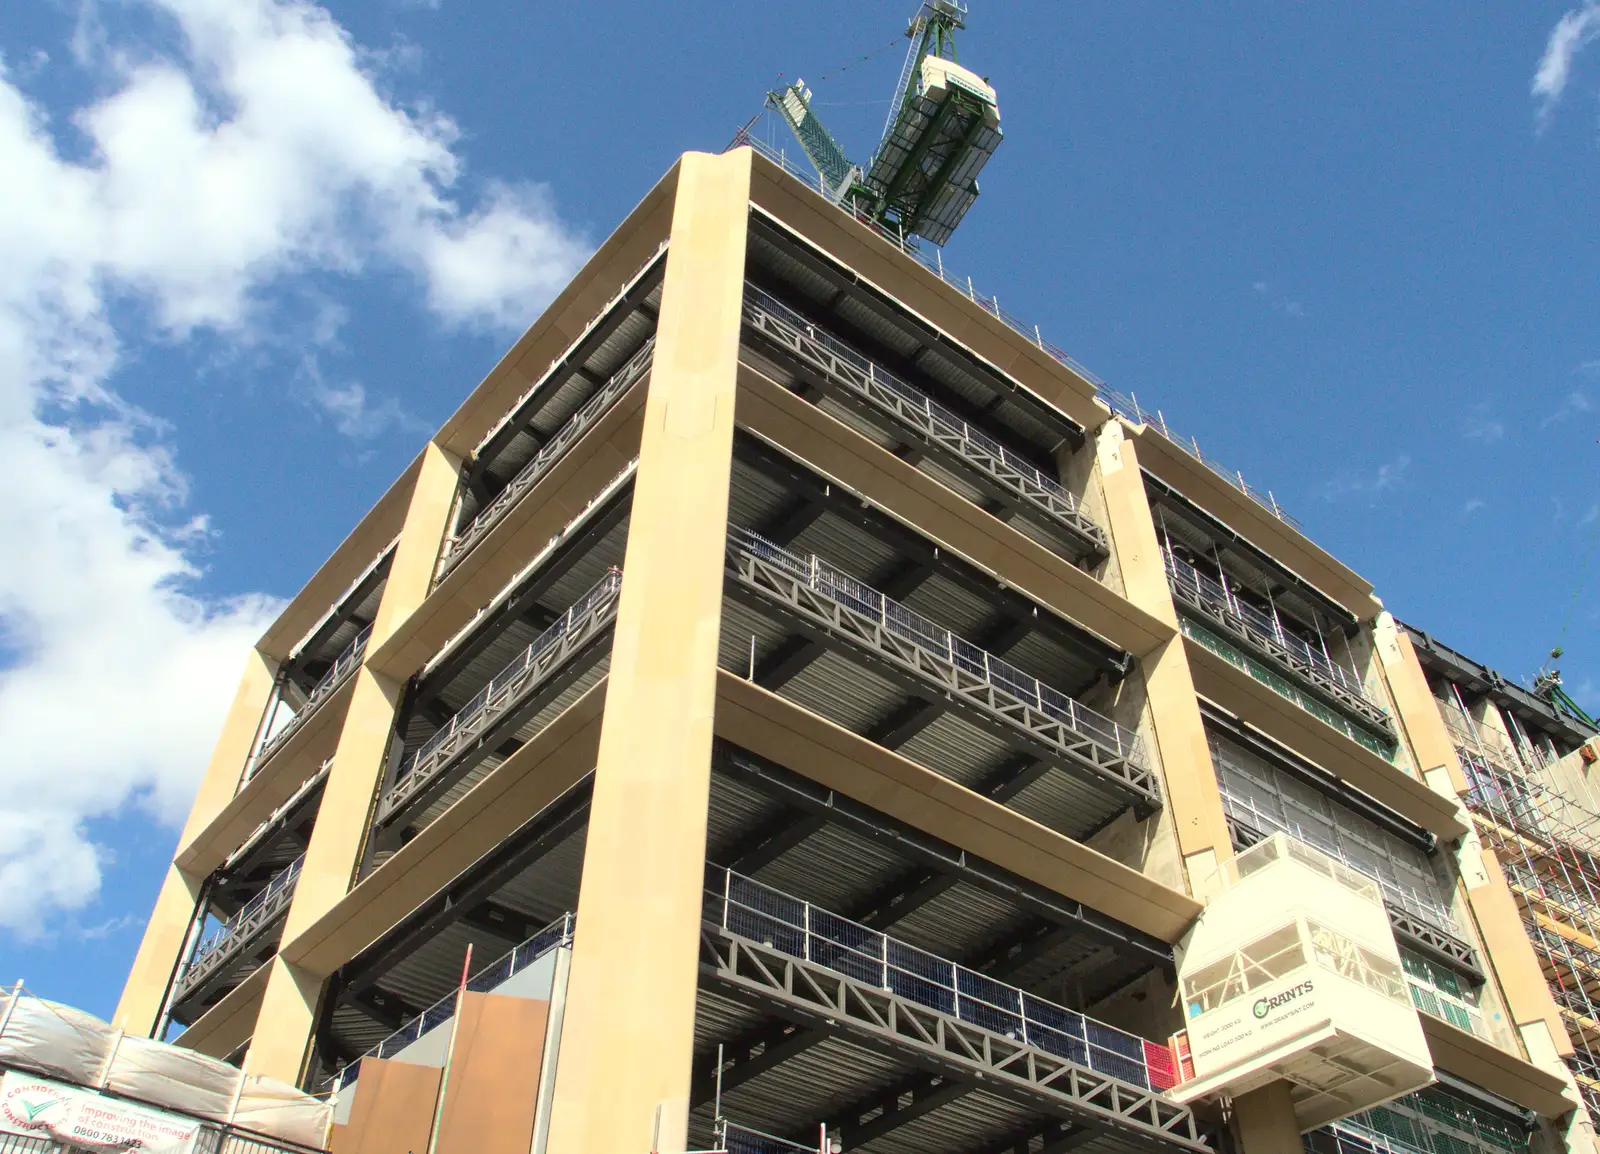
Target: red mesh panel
1163 1068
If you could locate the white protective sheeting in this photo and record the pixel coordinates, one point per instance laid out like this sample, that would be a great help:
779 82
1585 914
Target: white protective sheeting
55 1040
60 1042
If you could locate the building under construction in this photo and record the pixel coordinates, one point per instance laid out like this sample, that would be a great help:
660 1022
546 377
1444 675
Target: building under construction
792 705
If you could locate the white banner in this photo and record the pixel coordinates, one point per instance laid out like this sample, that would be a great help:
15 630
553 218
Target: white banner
42 1109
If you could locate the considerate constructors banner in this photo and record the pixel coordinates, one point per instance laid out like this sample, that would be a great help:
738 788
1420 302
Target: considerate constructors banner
38 1108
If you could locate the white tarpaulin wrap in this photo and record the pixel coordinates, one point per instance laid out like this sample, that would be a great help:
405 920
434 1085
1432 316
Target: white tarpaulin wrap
58 1042
89 1121
55 1040
269 1106
173 1077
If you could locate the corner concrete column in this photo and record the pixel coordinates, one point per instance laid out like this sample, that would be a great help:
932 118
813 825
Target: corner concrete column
627 1037
284 1028
1191 781
1264 1121
160 951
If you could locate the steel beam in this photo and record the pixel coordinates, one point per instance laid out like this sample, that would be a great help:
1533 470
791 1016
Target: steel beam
749 1056
524 602
801 793
912 546
768 842
543 832
788 661
768 588
902 897
871 1117
904 722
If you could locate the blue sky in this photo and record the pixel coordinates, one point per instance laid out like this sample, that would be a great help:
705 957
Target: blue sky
255 249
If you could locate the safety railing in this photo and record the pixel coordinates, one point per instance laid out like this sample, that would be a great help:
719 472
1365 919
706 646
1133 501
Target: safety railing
507 688
1125 406
732 1138
909 625
343 666
234 934
1265 632
1424 1123
588 414
1442 994
911 406
759 913
491 977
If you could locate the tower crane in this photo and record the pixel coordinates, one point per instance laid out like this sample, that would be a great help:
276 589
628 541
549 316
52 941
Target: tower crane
943 125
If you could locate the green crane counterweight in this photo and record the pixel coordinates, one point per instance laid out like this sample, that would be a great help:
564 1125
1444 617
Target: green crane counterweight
944 124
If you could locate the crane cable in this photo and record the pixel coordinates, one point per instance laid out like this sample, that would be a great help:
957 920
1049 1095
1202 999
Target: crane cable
862 60
1583 577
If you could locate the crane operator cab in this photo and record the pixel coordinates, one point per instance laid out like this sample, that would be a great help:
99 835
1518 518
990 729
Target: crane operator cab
926 168
943 125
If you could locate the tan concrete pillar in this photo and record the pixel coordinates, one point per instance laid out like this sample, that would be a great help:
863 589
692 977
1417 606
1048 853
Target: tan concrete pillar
1191 783
278 1049
1264 1121
628 1033
164 935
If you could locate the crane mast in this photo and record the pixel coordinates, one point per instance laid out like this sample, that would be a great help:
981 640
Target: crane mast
943 125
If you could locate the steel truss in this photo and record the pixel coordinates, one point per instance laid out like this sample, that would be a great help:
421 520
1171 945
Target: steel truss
233 937
859 382
767 585
458 545
520 690
343 669
881 1020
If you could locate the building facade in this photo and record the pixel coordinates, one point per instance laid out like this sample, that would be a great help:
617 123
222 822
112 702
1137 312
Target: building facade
862 705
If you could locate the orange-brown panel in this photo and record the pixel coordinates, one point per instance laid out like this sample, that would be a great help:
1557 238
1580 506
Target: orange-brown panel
393 1110
492 1091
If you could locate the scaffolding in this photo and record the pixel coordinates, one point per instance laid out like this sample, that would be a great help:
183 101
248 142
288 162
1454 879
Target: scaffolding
1545 840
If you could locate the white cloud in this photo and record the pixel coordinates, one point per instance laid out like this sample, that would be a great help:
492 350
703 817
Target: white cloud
1473 504
1390 475
202 179
1278 301
1573 32
1481 426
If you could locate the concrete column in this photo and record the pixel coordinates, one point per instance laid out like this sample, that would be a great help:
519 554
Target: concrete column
164 936
282 1037
628 1032
1191 782
1264 1121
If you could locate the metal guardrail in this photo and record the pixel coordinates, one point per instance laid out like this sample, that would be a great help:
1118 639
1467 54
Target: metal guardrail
759 913
495 974
963 659
508 688
343 666
731 1138
458 545
913 408
1267 635
233 935
1123 406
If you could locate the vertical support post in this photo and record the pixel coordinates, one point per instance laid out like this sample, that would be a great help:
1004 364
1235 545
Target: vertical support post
156 965
1265 1121
284 1029
628 1036
1193 798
